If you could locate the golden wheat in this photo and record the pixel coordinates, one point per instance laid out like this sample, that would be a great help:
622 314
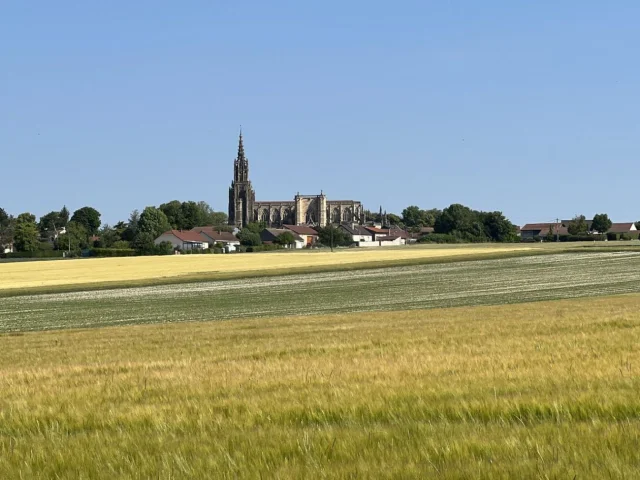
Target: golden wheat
105 270
542 390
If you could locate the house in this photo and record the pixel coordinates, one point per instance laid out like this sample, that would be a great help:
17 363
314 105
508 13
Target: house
213 236
270 235
389 233
627 227
308 234
6 248
183 240
358 233
531 230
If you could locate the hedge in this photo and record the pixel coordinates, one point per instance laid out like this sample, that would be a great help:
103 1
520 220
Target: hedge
112 252
36 254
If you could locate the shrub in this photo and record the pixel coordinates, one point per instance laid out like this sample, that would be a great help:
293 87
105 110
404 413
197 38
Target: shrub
613 236
625 236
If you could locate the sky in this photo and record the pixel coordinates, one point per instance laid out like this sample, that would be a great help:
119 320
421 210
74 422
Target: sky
529 108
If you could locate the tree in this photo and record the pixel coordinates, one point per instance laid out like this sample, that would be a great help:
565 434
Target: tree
462 222
108 236
333 236
249 238
173 211
64 216
393 219
549 237
26 237
129 233
7 225
256 227
286 238
497 227
412 216
601 223
430 216
144 241
74 239
578 226
89 218
51 223
153 221
211 217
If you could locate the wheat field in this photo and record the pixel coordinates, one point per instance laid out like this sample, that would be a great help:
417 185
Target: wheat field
538 390
25 275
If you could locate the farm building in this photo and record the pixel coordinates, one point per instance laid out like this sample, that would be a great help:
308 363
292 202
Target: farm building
183 240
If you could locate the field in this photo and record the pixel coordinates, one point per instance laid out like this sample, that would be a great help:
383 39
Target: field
541 390
497 281
149 270
522 367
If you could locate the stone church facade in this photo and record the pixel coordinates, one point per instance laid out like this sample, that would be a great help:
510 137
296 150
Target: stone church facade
315 210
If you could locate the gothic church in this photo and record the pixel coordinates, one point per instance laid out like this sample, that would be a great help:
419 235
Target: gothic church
314 210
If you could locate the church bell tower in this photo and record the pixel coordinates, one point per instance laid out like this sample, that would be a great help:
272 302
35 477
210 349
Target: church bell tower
241 194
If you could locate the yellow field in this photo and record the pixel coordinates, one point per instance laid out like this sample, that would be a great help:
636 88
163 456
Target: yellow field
540 390
22 275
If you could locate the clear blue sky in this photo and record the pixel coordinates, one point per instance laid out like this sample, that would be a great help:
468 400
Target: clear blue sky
531 108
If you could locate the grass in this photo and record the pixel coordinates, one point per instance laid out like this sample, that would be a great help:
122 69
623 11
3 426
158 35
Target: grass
496 281
537 390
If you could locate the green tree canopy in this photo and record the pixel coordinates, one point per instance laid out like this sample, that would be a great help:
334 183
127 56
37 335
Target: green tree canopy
7 224
53 222
74 239
190 214
153 221
26 235
249 238
335 236
412 216
89 218
578 226
601 223
286 238
498 228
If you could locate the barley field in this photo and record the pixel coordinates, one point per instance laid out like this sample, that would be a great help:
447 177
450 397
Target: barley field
132 270
482 282
535 390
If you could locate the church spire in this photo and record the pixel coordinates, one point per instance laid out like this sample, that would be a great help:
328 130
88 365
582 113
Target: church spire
241 163
240 147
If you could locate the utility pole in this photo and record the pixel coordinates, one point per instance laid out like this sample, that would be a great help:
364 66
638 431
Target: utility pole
331 227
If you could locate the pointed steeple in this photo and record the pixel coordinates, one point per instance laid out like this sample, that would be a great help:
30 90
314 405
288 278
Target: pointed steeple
240 147
241 164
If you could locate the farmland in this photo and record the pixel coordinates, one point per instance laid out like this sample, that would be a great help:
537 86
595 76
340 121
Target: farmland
130 271
497 281
498 368
538 390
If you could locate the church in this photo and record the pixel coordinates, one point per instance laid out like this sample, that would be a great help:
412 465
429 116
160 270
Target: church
314 210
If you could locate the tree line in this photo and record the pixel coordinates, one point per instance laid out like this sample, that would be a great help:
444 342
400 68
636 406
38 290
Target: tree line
63 231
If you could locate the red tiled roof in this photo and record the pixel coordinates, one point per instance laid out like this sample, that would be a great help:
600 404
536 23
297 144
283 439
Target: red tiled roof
301 229
216 235
186 236
388 238
377 230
